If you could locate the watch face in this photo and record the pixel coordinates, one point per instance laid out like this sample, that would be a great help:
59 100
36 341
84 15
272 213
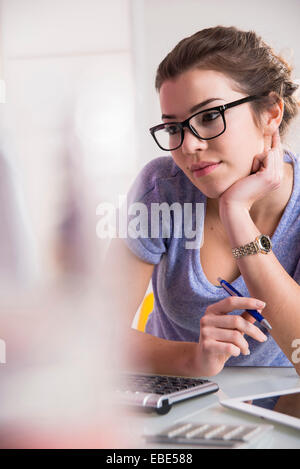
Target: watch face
265 243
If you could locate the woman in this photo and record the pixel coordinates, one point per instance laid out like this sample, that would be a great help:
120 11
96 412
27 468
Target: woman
229 158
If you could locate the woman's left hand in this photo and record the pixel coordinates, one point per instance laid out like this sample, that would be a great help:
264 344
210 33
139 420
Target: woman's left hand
266 176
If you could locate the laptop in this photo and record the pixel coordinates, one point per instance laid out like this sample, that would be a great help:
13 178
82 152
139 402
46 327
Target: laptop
153 392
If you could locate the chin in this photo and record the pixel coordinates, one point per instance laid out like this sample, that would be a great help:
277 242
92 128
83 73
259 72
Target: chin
212 192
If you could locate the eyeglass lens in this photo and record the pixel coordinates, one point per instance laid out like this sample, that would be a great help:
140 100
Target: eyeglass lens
205 124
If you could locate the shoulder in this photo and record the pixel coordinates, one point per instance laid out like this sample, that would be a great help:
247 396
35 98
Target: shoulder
157 174
158 169
161 180
294 160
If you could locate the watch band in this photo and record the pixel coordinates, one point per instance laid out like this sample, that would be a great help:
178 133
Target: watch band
261 244
248 249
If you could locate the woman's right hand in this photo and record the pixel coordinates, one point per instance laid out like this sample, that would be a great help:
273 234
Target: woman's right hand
222 335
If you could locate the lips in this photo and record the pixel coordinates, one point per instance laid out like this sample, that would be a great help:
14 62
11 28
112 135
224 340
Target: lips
204 168
203 164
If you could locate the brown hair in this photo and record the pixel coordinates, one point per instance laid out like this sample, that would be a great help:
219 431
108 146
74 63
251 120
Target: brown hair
244 57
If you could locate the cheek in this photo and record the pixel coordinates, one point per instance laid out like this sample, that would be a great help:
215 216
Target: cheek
239 146
179 159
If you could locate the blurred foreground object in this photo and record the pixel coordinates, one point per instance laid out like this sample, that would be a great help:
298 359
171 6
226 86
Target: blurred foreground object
17 256
57 386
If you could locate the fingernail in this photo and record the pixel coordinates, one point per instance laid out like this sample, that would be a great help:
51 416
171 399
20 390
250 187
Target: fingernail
260 304
248 352
265 338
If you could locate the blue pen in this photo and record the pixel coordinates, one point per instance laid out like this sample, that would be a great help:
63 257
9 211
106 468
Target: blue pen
233 292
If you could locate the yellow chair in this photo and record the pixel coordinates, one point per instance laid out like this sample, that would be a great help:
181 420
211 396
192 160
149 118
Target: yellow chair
146 309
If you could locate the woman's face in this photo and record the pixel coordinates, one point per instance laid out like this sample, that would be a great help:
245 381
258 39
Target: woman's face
234 150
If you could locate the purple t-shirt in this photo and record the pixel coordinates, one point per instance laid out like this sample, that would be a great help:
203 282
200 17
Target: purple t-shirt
181 290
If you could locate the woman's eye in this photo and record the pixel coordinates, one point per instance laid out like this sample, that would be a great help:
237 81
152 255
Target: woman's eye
210 116
172 129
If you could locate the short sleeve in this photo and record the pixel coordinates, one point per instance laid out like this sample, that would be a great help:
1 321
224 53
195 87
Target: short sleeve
144 232
297 273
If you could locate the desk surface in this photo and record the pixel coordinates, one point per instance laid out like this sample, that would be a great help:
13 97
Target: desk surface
233 382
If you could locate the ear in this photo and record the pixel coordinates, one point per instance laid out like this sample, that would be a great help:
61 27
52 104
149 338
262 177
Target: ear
272 117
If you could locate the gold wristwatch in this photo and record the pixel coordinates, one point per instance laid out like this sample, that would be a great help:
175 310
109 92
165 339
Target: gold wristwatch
261 244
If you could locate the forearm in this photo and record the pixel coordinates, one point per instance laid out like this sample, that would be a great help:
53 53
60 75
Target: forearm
139 351
146 353
266 279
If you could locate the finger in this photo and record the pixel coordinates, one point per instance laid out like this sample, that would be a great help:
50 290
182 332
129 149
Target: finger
261 157
231 337
277 148
238 323
271 162
260 163
247 316
232 303
221 348
270 170
273 170
276 142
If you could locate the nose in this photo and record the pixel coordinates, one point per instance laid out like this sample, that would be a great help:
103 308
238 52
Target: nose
191 143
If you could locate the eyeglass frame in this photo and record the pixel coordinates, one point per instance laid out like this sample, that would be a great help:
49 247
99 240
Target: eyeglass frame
186 123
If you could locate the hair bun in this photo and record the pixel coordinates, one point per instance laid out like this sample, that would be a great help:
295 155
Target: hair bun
290 87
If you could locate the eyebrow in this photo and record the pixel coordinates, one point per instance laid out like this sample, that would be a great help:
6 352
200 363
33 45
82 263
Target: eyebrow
193 109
